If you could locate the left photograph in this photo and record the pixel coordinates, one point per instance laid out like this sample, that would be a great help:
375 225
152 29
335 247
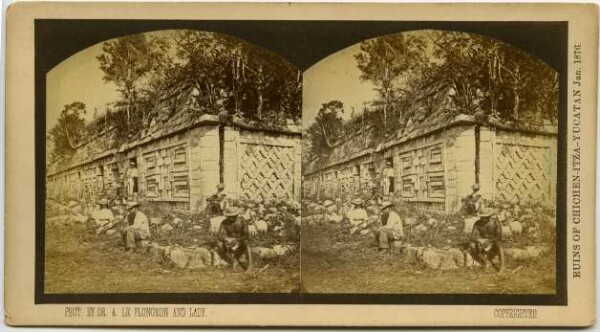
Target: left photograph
173 165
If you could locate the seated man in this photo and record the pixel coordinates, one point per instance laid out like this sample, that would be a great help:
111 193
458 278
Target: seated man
233 239
391 229
138 228
103 216
486 230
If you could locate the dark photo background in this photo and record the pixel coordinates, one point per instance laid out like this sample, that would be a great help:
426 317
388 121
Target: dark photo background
303 43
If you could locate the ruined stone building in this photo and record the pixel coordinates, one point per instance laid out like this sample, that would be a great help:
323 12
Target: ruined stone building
436 162
177 164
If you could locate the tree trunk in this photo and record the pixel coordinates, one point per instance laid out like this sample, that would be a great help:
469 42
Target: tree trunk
71 144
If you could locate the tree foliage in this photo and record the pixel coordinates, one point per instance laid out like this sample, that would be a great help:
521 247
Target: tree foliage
197 73
442 74
132 63
69 131
388 62
327 128
228 74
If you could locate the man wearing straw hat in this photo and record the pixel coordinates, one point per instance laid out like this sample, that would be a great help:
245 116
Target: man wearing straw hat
138 228
391 229
485 229
233 238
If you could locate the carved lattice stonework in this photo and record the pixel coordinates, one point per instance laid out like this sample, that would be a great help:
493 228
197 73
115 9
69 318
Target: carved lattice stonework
266 172
523 172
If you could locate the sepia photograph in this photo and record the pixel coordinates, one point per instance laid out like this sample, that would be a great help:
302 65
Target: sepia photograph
429 167
278 165
173 166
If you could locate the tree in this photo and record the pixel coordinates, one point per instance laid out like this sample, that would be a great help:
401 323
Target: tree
231 75
494 80
327 128
127 62
69 131
387 61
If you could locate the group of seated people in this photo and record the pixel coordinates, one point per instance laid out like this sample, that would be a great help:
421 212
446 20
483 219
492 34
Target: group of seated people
137 228
391 227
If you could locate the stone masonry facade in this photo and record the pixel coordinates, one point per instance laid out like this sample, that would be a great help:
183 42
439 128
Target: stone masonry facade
436 169
180 170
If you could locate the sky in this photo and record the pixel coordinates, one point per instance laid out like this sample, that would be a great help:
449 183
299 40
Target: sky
336 77
78 78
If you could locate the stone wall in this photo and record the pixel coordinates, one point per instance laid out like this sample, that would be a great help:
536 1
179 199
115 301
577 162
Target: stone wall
437 170
262 165
181 170
518 166
460 165
431 171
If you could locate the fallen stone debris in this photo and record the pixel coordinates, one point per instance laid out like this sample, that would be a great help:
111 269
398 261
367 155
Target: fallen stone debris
436 240
189 242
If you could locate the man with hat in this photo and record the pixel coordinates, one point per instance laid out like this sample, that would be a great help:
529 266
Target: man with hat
485 231
217 202
486 227
357 214
103 216
233 238
391 229
138 228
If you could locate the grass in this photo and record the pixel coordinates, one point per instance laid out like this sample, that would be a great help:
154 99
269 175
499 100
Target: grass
76 261
334 262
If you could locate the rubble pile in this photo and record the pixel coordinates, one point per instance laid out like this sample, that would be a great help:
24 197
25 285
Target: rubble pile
187 241
434 239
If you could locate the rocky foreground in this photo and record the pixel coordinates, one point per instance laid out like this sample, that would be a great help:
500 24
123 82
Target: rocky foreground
177 241
438 241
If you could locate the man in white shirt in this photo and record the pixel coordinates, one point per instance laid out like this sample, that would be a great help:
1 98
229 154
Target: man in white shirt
388 178
138 228
392 229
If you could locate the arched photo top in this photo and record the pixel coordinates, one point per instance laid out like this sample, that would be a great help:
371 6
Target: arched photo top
398 82
130 84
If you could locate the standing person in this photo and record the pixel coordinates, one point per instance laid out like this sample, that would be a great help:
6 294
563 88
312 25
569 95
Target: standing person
132 179
217 203
233 239
138 228
391 229
388 178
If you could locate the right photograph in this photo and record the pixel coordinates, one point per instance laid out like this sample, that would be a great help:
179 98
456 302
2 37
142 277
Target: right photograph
429 167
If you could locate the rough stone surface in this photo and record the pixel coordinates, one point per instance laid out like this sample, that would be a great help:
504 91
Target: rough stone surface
158 253
179 257
80 218
528 253
155 221
199 258
166 228
435 258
